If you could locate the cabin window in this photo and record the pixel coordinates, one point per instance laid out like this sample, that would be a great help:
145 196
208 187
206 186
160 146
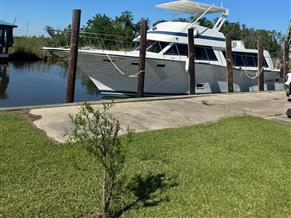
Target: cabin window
211 55
245 59
155 46
202 53
238 60
183 49
251 60
173 50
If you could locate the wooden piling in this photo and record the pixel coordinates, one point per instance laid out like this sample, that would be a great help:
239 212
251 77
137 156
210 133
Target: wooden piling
286 58
229 62
73 58
191 58
261 79
142 58
4 79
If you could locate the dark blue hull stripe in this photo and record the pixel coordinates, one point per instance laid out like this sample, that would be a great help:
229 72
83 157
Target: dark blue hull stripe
186 35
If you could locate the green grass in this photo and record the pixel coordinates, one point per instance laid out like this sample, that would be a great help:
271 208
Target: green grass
238 167
29 48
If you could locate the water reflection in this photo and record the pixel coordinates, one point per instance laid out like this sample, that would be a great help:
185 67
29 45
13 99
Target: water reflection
4 81
40 83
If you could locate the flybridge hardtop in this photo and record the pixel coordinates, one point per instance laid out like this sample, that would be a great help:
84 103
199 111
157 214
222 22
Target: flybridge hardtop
190 7
199 10
177 31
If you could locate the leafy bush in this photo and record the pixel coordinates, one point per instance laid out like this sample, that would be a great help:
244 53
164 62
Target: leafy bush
29 48
98 132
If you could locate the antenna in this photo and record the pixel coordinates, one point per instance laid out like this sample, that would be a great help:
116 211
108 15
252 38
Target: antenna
14 22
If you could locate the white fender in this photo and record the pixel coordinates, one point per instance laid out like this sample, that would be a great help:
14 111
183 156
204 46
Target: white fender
187 65
288 82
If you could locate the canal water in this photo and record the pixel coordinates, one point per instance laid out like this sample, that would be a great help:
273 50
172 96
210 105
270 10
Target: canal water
25 84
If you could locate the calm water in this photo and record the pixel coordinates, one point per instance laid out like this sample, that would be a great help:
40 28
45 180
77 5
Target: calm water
41 83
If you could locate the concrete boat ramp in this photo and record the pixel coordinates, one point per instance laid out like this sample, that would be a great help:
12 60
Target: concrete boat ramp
170 112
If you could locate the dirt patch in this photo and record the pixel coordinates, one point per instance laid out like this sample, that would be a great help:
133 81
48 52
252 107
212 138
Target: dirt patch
29 117
207 103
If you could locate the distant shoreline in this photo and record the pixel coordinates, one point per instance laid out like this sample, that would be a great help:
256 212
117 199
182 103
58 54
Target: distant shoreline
31 57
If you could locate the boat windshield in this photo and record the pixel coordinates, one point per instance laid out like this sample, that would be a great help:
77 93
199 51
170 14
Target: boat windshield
203 53
154 46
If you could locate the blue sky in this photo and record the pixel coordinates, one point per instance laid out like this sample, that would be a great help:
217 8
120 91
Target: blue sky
35 14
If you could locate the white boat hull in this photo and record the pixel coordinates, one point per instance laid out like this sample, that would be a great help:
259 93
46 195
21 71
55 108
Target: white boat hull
165 77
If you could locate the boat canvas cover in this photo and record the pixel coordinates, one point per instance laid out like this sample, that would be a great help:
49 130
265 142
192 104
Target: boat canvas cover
190 7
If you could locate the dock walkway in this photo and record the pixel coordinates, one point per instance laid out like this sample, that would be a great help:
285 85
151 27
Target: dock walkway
160 113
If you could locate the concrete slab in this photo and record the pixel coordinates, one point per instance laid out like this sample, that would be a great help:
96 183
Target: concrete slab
281 119
161 113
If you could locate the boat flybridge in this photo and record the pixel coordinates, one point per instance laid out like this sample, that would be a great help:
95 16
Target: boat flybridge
166 59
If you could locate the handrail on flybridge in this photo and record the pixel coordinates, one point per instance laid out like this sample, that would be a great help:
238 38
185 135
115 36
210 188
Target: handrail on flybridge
197 9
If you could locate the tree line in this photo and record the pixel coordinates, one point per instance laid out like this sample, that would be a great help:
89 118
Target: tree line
123 28
272 40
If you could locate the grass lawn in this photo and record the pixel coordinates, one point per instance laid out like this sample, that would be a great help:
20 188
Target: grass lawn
238 167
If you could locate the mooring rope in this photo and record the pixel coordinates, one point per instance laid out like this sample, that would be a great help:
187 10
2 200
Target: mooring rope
257 74
248 74
117 68
137 74
120 71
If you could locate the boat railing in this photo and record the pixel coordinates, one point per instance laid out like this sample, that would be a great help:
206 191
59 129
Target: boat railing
89 40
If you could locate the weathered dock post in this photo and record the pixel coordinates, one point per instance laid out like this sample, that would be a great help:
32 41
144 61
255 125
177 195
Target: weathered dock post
191 59
73 58
4 79
261 79
286 57
142 58
229 62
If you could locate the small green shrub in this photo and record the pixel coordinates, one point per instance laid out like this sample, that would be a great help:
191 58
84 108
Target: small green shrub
98 132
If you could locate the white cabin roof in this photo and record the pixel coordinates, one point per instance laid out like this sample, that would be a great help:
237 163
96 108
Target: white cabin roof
178 32
191 7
